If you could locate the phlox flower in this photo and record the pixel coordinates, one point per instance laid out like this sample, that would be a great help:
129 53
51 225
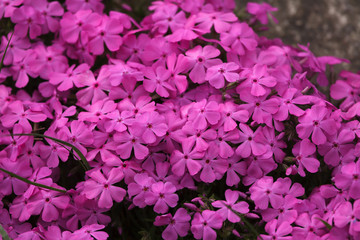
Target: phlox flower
218 73
317 122
240 38
157 80
50 11
261 12
204 223
103 187
303 152
204 112
66 80
258 80
220 20
129 140
201 59
277 230
214 167
162 195
76 5
16 50
137 189
230 114
188 159
48 203
178 225
348 213
7 7
235 167
107 32
251 142
27 19
90 232
230 205
347 178
264 191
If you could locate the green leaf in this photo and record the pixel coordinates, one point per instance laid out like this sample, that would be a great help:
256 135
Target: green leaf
83 160
4 234
327 225
7 46
30 182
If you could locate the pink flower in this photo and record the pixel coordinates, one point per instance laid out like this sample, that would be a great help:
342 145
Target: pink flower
27 19
220 20
201 59
251 142
189 159
103 187
88 232
264 191
137 189
108 33
348 178
261 12
213 166
157 80
317 122
240 38
178 225
128 141
277 230
258 79
303 152
216 74
162 195
204 112
228 207
67 80
48 204
203 224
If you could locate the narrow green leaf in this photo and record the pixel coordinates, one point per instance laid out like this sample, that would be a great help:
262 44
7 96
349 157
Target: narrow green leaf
4 234
83 160
327 225
7 46
30 182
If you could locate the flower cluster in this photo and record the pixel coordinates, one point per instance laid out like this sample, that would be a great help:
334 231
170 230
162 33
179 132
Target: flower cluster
189 118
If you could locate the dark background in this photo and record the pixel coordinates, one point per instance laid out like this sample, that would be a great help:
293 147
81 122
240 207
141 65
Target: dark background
332 27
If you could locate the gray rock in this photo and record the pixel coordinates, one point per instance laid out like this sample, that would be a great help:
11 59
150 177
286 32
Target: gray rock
332 27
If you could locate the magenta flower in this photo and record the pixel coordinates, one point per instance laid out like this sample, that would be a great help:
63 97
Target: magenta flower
288 101
129 140
348 179
66 80
103 187
90 232
213 166
107 32
204 112
157 80
48 204
27 19
188 159
18 113
277 230
201 59
163 196
258 80
216 74
230 114
251 142
316 121
203 224
178 225
264 191
137 189
240 38
220 20
228 207
303 152
261 12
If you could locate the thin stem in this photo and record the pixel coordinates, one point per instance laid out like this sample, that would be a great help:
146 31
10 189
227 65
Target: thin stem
30 182
7 46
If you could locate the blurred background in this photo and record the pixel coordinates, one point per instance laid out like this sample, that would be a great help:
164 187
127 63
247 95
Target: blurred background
332 27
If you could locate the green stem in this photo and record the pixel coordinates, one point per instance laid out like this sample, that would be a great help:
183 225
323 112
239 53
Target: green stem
84 162
4 234
30 182
7 46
